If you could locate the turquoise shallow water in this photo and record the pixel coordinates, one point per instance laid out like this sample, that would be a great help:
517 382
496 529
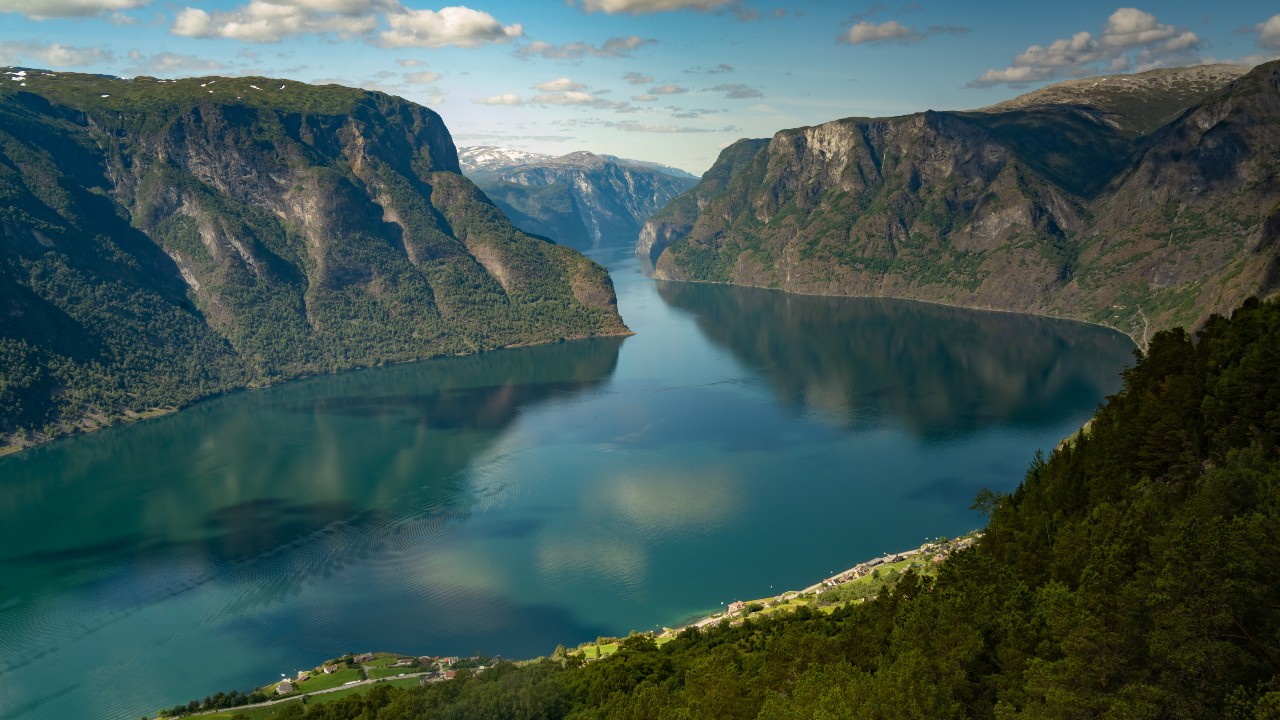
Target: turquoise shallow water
742 442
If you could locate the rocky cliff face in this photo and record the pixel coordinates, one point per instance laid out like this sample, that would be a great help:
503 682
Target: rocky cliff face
577 199
1043 208
163 240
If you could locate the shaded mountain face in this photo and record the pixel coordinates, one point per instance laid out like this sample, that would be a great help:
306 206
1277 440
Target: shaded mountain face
1043 206
579 199
164 240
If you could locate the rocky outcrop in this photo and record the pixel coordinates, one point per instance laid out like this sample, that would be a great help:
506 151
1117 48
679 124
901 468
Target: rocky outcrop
188 237
1042 208
580 199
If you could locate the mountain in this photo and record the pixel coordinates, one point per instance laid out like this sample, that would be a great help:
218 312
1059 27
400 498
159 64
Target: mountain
579 199
163 240
1055 203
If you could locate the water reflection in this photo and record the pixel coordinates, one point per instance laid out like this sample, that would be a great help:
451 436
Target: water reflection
937 370
222 515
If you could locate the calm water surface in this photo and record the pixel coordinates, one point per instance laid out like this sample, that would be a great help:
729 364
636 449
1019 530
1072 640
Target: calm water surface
743 442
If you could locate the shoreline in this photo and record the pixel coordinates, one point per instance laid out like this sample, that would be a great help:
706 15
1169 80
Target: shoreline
934 552
9 447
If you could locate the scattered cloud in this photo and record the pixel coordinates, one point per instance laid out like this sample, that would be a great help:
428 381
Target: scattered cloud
458 26
668 90
270 21
885 32
169 63
56 55
409 63
44 9
1269 33
1132 40
645 7
504 99
613 47
737 91
865 32
422 77
644 98
635 78
581 99
563 84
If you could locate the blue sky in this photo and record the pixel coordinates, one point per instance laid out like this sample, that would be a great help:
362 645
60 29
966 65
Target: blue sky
671 81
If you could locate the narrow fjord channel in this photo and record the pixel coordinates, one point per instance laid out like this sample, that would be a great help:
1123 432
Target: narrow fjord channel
742 440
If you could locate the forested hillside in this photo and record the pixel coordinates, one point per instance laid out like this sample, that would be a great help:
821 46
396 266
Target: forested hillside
1131 575
1139 202
161 241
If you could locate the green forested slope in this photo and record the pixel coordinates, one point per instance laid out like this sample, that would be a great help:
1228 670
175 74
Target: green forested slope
1132 575
1057 206
161 241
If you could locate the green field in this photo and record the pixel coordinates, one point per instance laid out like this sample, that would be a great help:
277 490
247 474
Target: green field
320 681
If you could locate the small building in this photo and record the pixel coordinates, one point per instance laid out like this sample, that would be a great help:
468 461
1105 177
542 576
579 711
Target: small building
303 675
450 674
331 669
451 660
283 687
736 606
363 657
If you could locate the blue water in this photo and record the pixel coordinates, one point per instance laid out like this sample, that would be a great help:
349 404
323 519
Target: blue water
741 443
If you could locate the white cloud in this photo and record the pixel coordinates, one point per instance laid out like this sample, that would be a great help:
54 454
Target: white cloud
891 31
1269 32
1132 40
504 99
559 85
643 7
1131 27
274 20
409 63
20 52
169 63
635 78
644 98
42 9
460 26
579 98
424 77
613 47
668 90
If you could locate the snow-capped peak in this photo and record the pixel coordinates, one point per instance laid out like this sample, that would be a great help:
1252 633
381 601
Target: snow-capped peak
487 157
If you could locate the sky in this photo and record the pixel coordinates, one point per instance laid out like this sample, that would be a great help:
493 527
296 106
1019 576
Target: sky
670 81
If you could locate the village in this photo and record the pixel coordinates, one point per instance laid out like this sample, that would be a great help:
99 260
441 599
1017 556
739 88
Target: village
354 672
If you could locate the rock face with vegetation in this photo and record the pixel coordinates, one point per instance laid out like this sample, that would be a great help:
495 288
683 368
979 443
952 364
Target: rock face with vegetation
579 199
1065 202
161 241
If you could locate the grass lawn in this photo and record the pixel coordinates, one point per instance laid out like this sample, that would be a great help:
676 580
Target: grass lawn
320 681
268 712
382 661
589 651
386 672
258 713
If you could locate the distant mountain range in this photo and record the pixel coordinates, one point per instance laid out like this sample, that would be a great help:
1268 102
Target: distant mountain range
163 240
580 199
1138 201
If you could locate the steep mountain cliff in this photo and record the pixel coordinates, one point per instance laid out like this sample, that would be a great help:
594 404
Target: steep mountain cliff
1056 205
165 240
577 199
